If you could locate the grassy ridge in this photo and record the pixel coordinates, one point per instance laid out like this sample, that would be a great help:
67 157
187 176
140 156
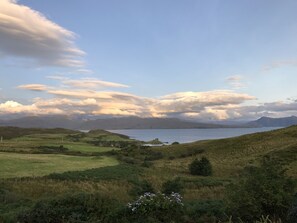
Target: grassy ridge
14 132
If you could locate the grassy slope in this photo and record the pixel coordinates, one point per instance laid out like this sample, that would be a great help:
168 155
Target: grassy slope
230 155
17 158
28 165
30 142
14 132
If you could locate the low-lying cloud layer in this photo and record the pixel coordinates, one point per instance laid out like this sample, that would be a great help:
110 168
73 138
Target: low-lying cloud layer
27 34
94 97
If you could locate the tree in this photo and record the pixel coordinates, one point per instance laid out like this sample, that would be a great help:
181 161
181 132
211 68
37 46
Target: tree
201 167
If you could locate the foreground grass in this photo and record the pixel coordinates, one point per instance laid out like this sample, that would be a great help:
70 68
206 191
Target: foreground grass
28 165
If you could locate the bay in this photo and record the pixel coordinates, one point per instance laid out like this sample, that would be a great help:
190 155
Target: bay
188 135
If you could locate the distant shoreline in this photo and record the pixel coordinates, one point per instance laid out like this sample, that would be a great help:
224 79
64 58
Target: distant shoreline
189 135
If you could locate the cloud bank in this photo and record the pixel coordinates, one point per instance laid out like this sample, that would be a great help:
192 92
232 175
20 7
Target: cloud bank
93 97
27 34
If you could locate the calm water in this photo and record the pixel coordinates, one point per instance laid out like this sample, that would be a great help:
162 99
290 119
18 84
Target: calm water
187 135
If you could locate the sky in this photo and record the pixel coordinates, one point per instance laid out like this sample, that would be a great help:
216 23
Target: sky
191 59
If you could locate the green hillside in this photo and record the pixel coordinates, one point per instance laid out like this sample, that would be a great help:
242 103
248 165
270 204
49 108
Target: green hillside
39 165
230 155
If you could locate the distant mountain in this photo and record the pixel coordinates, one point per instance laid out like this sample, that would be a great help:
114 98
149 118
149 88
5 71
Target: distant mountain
43 122
274 122
107 123
144 123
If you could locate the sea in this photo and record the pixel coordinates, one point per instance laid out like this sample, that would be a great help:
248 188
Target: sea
169 136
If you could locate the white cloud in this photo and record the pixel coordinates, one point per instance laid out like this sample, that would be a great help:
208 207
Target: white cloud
33 87
92 83
236 81
57 77
83 71
279 64
25 33
209 105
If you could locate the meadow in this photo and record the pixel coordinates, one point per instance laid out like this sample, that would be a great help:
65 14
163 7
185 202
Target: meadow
38 165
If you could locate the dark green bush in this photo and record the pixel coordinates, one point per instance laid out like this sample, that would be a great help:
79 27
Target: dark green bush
147 164
262 191
175 185
141 188
155 208
70 208
119 172
201 167
206 211
292 215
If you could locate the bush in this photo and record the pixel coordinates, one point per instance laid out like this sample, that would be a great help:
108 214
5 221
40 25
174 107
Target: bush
172 186
70 208
206 211
263 191
147 164
292 216
141 188
201 167
156 208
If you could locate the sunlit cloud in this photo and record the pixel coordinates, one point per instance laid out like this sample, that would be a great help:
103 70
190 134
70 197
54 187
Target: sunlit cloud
33 87
85 97
83 100
236 81
92 83
83 71
279 64
57 77
27 34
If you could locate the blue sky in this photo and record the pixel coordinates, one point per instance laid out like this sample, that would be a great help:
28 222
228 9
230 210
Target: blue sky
203 60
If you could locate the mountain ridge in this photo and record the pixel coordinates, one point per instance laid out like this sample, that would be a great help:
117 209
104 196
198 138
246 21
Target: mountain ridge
274 122
105 123
134 122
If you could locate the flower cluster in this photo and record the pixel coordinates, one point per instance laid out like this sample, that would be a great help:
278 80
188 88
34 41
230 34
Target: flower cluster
151 202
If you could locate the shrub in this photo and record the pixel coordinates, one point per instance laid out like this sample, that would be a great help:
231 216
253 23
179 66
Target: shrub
206 211
147 164
263 191
70 208
152 207
201 167
141 188
292 215
172 186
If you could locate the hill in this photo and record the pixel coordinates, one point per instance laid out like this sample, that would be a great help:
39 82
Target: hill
14 132
274 122
231 155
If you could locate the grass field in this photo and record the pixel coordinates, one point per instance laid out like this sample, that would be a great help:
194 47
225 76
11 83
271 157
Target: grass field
31 144
29 165
26 174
